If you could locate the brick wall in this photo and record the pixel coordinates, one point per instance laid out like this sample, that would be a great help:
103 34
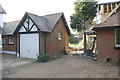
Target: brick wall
106 44
55 46
7 46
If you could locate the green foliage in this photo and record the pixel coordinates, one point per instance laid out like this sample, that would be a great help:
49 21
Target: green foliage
72 39
84 11
43 58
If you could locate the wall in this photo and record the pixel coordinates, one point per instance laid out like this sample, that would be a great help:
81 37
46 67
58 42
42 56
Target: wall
55 46
42 43
1 20
9 47
106 44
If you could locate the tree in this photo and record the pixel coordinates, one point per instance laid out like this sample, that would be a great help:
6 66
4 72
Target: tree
84 12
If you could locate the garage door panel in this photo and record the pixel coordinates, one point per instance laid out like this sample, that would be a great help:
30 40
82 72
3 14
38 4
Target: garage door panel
29 45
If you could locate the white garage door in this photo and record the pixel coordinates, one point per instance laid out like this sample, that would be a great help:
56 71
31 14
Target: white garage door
29 45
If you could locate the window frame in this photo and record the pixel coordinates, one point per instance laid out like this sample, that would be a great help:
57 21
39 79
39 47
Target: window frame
59 36
9 40
116 45
105 8
3 41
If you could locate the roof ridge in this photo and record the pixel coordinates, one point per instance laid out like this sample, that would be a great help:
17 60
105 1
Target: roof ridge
12 21
45 15
53 14
36 15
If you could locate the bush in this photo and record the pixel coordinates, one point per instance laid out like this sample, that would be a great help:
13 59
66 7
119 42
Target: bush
43 58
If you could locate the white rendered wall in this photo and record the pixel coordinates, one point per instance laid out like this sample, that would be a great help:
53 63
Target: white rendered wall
1 20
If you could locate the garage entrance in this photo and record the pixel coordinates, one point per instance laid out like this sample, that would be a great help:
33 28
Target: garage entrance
29 45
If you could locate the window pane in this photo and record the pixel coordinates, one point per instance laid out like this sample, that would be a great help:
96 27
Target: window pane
11 40
109 7
113 5
3 40
105 8
118 36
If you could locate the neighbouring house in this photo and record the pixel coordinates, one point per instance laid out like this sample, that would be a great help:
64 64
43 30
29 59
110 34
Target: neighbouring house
106 9
34 35
108 37
9 40
2 11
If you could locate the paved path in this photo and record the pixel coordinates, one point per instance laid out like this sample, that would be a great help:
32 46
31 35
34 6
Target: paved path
69 66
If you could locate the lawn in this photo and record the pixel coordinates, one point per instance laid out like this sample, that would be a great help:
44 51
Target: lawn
75 45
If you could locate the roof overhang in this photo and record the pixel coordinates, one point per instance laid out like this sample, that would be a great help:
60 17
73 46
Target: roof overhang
65 22
89 32
108 2
106 28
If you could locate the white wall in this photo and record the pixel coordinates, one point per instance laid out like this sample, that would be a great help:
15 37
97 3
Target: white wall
1 20
1 25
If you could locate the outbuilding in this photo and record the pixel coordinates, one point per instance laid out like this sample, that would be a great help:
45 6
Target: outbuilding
34 35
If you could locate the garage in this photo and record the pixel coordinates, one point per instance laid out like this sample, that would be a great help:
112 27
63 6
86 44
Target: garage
29 45
34 35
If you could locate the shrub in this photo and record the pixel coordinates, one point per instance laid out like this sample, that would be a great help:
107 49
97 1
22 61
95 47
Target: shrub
43 58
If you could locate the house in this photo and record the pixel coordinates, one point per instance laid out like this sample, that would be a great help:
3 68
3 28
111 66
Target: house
2 11
108 37
106 9
34 35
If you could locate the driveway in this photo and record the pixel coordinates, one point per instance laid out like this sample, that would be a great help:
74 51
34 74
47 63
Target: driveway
68 66
10 61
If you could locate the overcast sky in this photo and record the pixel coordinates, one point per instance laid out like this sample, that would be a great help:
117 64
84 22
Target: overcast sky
16 8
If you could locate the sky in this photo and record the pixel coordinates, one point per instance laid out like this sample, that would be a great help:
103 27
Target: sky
16 9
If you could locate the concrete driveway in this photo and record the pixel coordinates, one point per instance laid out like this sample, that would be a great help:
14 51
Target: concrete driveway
68 66
11 61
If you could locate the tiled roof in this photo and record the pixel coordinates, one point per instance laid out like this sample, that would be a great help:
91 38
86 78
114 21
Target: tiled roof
41 22
2 10
44 23
10 27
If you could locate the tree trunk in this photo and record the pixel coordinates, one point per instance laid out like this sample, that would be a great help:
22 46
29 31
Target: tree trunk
84 42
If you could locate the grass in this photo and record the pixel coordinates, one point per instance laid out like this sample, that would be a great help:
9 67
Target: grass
74 45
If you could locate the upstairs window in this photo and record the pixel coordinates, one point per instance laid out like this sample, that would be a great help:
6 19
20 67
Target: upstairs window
105 8
11 41
113 5
109 8
117 37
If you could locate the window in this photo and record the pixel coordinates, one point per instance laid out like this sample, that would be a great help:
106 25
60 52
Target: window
109 8
3 40
117 37
59 36
11 40
105 8
113 5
